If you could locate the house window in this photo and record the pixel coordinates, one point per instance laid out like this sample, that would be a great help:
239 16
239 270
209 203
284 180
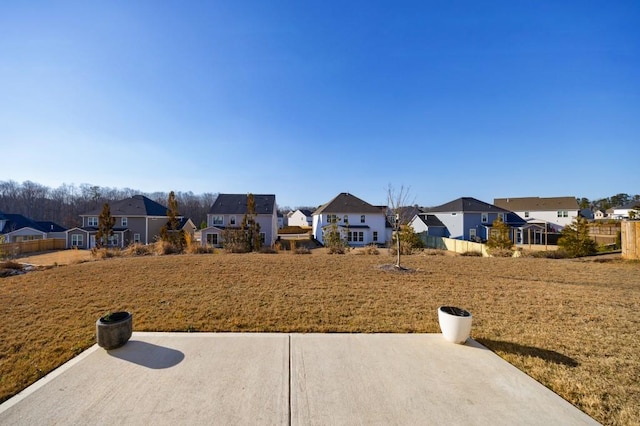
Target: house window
375 236
357 236
526 214
484 218
136 238
362 219
124 221
332 218
346 219
217 220
263 237
113 240
501 216
563 213
232 220
92 221
212 239
77 240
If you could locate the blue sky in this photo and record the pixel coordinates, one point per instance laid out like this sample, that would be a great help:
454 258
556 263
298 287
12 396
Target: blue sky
309 99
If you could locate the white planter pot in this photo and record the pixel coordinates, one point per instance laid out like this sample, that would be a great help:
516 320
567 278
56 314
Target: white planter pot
455 323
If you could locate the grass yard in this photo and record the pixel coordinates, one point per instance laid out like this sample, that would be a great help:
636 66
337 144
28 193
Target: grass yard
571 325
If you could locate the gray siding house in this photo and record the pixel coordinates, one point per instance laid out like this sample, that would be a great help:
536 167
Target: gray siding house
228 211
16 228
137 220
470 219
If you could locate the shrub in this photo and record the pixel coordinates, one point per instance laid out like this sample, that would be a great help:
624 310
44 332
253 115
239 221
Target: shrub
166 247
406 248
471 253
371 249
547 254
500 252
138 249
302 250
434 252
267 250
105 253
10 264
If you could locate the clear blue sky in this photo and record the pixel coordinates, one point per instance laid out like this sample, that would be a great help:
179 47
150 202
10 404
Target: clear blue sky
307 99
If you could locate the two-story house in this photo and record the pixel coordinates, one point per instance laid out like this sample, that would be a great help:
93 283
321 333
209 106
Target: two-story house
359 222
467 218
557 212
302 218
228 211
137 220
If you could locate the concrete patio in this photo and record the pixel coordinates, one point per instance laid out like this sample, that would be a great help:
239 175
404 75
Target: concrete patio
282 379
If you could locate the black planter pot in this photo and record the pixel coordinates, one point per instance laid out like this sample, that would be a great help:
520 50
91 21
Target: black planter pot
114 330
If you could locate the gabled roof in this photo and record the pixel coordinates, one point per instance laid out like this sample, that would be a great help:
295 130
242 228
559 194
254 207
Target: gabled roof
537 203
138 205
15 222
430 220
306 212
347 203
466 205
237 204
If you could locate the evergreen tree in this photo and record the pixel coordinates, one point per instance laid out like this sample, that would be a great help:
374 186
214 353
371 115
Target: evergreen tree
575 239
170 232
499 235
250 226
105 226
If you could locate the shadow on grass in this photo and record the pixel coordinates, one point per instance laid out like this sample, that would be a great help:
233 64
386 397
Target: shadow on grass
517 349
148 355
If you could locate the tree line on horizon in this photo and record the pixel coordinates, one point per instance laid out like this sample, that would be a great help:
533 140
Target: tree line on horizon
64 204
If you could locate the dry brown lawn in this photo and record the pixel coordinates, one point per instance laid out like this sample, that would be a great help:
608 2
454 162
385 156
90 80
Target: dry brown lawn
571 325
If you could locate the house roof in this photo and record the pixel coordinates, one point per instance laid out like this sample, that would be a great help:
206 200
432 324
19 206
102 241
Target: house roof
237 204
347 203
468 205
537 203
138 205
430 220
15 222
306 212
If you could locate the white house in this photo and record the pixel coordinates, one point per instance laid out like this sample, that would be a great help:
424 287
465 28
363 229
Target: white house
627 211
558 212
359 222
302 218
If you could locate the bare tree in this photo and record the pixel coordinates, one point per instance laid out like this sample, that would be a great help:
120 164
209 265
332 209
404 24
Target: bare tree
397 198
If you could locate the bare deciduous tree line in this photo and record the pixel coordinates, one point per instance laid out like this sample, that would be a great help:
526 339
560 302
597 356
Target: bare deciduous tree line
64 204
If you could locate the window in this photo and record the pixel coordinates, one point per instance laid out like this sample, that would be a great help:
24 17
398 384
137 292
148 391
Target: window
375 236
136 238
232 220
526 214
472 233
563 213
485 218
113 240
356 236
362 219
346 219
212 239
217 220
124 221
77 240
332 218
263 237
92 221
501 216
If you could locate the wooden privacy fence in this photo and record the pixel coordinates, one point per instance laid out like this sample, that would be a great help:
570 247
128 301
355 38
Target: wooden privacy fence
458 246
631 239
32 246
